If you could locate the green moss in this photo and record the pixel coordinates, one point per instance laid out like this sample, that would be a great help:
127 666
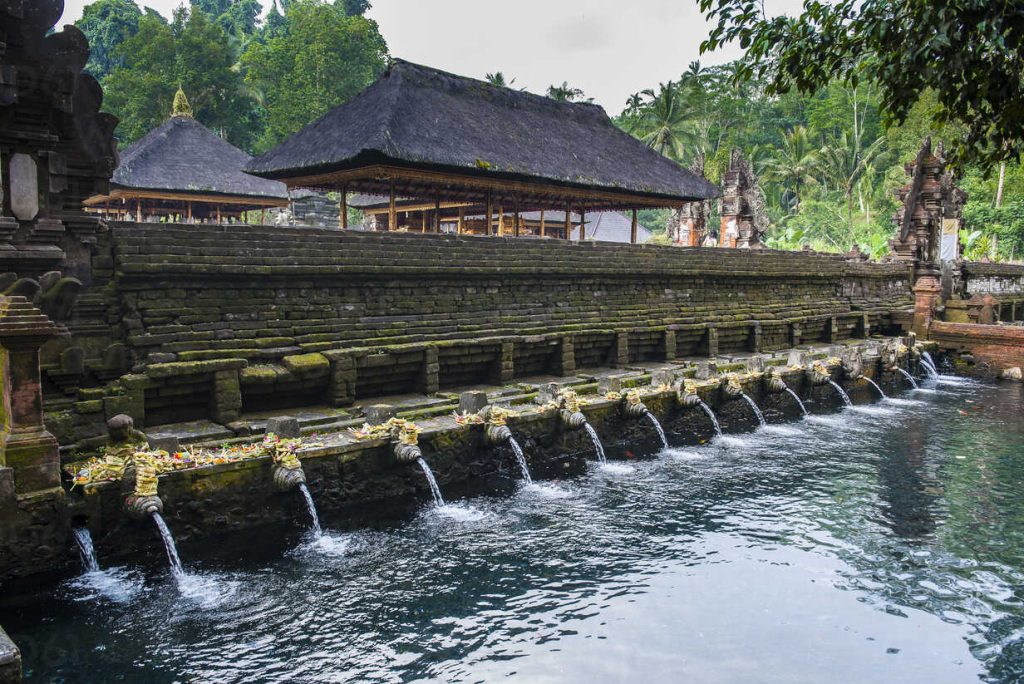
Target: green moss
307 364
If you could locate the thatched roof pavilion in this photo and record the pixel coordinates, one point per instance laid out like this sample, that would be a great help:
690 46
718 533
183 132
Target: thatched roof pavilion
182 169
431 136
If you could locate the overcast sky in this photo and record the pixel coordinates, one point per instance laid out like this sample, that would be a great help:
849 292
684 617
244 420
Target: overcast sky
608 48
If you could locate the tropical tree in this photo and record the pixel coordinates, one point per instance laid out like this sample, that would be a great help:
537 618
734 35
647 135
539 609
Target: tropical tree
795 163
323 58
664 120
107 24
566 93
843 164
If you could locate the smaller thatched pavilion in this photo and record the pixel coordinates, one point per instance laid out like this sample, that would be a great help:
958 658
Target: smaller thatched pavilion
442 148
182 171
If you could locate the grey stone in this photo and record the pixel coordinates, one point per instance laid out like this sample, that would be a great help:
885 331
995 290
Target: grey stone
24 177
284 426
610 383
705 370
169 444
72 360
472 402
378 413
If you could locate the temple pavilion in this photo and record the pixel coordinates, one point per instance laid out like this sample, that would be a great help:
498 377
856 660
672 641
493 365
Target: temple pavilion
182 171
443 149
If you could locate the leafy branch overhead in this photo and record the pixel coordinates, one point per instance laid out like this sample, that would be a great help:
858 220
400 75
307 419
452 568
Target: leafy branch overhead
968 53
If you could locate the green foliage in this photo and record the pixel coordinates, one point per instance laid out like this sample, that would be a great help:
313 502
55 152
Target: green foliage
107 24
191 52
322 59
969 54
566 93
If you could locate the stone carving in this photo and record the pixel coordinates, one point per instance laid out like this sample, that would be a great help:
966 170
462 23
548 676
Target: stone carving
744 220
24 182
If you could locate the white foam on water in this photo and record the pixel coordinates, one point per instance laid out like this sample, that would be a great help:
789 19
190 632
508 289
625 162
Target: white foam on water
616 468
206 591
783 430
736 441
688 454
325 544
118 585
459 512
874 410
904 402
546 491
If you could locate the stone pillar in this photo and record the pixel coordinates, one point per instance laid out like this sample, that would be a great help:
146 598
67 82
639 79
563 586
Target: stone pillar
567 356
341 388
796 334
712 337
670 345
227 397
756 337
506 362
25 445
927 292
430 375
621 349
982 309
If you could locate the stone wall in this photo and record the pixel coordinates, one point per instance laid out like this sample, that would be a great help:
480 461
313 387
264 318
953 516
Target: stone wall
211 321
998 280
991 349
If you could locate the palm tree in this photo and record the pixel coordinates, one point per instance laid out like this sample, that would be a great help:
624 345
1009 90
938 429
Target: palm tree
844 164
498 79
795 164
664 121
566 93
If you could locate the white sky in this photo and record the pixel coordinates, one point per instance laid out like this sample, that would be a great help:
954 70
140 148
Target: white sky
608 48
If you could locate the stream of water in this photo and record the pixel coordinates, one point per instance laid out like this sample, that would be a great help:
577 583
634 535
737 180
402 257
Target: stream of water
857 547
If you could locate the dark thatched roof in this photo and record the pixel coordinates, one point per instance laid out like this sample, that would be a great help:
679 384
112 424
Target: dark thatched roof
183 156
421 117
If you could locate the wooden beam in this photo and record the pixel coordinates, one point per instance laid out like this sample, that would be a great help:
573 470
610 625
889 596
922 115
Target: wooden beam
633 229
392 218
542 226
490 211
343 207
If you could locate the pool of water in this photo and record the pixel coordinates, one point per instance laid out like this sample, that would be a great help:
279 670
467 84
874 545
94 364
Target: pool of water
878 544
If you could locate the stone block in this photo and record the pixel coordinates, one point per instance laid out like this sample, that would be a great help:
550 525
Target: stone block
472 402
284 426
170 444
376 414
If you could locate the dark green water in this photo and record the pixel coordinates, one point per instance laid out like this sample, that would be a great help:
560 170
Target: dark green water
879 544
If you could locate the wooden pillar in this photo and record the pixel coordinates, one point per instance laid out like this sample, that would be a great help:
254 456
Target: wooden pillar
633 229
568 221
188 210
343 207
138 211
392 218
501 219
462 220
542 227
583 224
437 214
263 217
218 213
515 217
490 211
423 221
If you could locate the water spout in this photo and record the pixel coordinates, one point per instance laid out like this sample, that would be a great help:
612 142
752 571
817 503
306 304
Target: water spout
657 426
314 525
598 447
754 407
711 415
435 490
842 392
86 550
172 552
798 401
875 385
909 377
521 460
929 364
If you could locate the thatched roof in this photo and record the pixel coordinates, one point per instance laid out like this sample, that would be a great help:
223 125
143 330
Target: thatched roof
418 117
183 156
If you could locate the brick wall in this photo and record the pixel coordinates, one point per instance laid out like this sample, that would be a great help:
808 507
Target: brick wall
994 347
308 315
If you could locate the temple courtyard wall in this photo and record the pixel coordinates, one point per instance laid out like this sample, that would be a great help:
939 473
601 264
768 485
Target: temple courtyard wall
216 322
